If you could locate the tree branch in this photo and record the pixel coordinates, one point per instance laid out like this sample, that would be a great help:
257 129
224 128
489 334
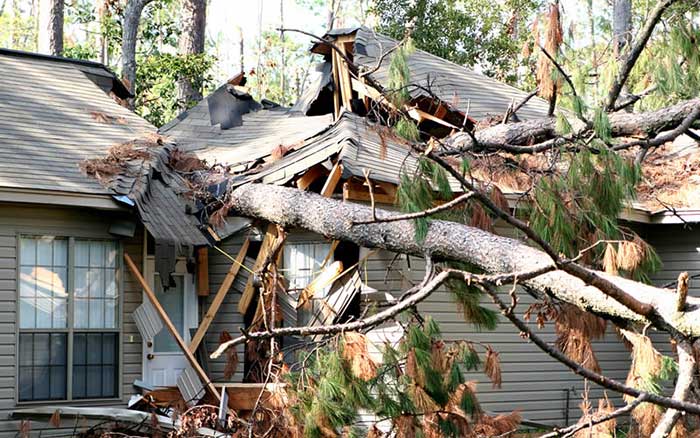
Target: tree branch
420 214
571 430
635 51
452 241
686 375
579 369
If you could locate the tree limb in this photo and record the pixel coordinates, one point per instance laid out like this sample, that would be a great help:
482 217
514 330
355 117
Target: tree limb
571 430
578 368
635 51
451 241
686 374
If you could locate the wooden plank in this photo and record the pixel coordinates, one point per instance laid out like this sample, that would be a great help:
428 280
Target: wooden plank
420 115
336 84
371 92
171 328
243 396
344 73
332 181
353 191
265 247
203 272
219 297
311 175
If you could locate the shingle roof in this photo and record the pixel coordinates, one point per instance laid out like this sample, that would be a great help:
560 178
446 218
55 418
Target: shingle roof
358 144
53 117
261 132
473 93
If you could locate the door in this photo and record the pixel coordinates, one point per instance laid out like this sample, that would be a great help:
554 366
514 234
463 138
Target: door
163 361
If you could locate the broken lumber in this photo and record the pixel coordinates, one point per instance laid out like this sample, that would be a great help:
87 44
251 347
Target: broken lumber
169 324
332 181
203 272
219 297
265 247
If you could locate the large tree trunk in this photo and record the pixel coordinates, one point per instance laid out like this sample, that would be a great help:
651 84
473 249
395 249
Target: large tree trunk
451 241
194 18
51 27
132 16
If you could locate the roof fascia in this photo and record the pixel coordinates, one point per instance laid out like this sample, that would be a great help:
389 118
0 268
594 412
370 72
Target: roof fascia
48 197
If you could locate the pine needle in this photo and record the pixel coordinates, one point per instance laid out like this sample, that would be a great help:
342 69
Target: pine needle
610 259
492 367
356 354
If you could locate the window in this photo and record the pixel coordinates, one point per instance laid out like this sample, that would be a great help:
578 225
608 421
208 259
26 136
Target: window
302 263
68 319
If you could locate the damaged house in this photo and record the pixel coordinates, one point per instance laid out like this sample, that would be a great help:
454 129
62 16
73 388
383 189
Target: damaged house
118 285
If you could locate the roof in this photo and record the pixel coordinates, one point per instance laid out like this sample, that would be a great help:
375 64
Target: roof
357 143
473 93
96 71
259 133
53 117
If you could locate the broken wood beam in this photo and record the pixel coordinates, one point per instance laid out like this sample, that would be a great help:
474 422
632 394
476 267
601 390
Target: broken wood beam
219 297
170 326
332 181
356 191
265 247
203 272
311 175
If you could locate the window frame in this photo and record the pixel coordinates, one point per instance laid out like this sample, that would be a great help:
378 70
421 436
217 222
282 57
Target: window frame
70 311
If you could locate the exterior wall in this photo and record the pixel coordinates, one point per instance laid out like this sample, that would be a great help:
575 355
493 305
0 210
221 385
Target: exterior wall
15 219
533 382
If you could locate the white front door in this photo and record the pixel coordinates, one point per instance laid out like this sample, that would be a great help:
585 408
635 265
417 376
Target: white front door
163 361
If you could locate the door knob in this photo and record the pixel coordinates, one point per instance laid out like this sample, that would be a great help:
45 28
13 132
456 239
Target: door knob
150 356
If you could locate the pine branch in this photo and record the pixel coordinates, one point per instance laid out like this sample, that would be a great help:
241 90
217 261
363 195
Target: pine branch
635 51
420 214
686 376
578 368
413 296
571 430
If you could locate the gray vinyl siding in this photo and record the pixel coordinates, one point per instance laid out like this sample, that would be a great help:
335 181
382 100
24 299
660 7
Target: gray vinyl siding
533 382
68 222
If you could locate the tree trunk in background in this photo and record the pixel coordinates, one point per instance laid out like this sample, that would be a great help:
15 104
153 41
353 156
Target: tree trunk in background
283 78
622 25
132 16
332 8
51 27
242 55
194 19
622 35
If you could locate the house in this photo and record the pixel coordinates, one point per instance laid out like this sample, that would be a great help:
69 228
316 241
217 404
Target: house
83 327
332 156
67 337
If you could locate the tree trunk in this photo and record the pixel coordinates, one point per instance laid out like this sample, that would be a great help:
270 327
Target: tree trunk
334 219
194 18
242 47
283 78
132 16
51 27
622 25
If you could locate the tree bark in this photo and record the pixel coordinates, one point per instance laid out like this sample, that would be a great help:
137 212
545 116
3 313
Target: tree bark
194 17
51 27
537 131
132 17
622 25
686 375
451 241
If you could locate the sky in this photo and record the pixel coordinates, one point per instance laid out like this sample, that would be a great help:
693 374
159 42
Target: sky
225 17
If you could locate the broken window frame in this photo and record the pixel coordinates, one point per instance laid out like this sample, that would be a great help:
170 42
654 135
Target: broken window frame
69 330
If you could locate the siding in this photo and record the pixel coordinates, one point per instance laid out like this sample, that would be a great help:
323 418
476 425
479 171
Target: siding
532 381
69 222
